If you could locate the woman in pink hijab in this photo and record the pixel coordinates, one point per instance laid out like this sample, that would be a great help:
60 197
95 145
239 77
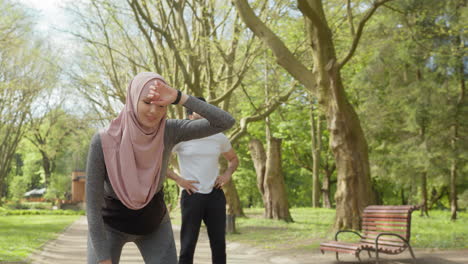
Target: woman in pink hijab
126 168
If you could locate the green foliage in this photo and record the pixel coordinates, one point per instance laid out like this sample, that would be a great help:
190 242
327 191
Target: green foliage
245 177
246 184
171 194
59 187
40 212
463 199
406 90
28 205
18 186
32 166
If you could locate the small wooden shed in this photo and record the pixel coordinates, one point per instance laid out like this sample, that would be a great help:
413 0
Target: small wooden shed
78 186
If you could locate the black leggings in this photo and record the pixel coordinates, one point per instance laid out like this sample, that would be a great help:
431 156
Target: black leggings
211 208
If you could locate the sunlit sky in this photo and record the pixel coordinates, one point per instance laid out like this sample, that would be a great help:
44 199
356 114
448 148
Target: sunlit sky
48 12
50 19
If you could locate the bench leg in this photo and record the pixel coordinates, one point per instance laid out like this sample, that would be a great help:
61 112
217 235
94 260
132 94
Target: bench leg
411 251
357 256
368 253
376 257
337 258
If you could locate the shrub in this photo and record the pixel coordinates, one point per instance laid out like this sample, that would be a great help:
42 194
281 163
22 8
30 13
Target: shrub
5 212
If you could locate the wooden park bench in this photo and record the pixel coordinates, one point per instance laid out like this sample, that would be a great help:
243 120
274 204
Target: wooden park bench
385 229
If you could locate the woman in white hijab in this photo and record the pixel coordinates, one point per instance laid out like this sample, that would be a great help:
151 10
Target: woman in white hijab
126 168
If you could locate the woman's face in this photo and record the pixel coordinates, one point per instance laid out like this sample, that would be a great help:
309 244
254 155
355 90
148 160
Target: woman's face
149 115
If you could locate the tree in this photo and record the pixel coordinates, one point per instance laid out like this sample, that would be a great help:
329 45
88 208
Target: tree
24 73
49 132
407 70
347 139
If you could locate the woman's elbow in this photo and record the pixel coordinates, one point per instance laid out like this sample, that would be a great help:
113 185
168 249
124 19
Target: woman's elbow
229 122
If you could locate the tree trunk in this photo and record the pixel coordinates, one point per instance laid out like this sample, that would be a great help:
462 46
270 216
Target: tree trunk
47 168
424 172
404 200
316 136
276 198
349 147
455 136
435 196
453 191
10 136
233 204
231 224
424 210
326 201
258 155
270 179
413 190
347 140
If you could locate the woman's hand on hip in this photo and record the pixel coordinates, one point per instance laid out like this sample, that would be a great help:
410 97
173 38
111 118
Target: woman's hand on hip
188 185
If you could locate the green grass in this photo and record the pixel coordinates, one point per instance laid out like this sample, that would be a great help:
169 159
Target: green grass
437 231
20 235
312 226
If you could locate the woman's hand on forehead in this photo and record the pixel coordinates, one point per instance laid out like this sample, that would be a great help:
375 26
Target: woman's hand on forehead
162 94
153 94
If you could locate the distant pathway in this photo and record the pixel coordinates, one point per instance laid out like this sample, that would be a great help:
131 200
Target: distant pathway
70 248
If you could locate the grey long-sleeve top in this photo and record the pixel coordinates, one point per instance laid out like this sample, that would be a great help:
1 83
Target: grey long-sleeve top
98 185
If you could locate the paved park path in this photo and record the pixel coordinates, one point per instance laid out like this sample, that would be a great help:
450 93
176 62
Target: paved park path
70 248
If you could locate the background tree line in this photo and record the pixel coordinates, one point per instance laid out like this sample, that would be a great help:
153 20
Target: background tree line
339 103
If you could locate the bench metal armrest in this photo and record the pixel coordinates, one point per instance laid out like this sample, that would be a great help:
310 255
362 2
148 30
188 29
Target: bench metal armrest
388 234
346 231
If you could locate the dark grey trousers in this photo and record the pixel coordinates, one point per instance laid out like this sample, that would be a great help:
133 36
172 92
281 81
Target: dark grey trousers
156 248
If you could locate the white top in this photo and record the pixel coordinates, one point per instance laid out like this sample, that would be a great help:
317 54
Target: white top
198 159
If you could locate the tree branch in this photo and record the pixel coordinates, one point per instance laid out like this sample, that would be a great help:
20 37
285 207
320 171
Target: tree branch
266 112
283 55
360 29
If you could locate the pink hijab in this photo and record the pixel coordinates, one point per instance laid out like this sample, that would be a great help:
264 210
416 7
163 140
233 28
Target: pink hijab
133 155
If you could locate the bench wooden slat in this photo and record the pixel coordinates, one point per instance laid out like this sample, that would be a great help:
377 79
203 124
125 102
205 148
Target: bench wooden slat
383 242
338 250
390 207
377 232
382 238
382 224
378 228
384 215
402 220
386 211
338 244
